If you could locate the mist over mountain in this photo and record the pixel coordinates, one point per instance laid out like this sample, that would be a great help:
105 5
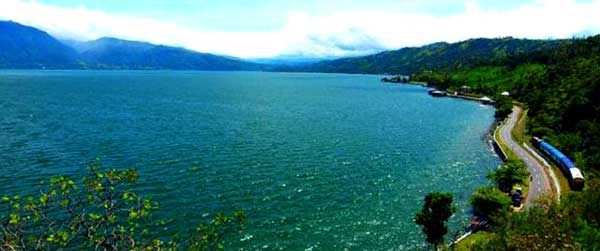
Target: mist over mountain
290 60
112 53
27 47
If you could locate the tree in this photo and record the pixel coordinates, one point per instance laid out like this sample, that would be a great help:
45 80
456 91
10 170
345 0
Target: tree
489 202
511 173
561 89
504 107
542 227
434 215
101 213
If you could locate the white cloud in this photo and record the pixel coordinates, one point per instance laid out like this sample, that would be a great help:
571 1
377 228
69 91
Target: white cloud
336 34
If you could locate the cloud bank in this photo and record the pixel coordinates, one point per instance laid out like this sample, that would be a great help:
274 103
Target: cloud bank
343 33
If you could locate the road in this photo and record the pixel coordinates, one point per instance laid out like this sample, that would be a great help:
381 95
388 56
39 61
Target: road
539 180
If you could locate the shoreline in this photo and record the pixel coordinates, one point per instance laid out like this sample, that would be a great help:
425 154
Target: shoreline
478 98
495 126
494 133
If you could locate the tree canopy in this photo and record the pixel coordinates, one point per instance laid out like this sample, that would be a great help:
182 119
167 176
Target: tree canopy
437 209
511 173
561 90
102 212
490 202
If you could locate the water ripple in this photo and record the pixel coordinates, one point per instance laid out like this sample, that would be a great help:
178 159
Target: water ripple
318 161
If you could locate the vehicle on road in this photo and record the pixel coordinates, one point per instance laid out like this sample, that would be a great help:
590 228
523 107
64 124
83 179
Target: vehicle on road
573 174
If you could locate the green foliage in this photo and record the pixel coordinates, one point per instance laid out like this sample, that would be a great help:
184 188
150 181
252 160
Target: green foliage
511 173
211 236
504 106
434 215
100 213
490 202
561 89
440 80
475 241
584 215
435 57
560 86
543 227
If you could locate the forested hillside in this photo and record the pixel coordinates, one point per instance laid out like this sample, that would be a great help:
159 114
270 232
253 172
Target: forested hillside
561 89
437 56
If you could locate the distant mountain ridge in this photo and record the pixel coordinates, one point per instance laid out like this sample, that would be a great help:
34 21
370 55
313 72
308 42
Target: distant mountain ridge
27 47
111 53
437 56
290 60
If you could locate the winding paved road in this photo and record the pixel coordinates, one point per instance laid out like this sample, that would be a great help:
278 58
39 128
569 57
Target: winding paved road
539 181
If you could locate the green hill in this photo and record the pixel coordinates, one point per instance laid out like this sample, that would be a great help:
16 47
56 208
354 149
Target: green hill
438 56
561 89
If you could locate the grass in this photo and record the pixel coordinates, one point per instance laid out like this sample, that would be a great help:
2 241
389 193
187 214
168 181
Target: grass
562 180
521 136
472 95
467 243
519 131
505 148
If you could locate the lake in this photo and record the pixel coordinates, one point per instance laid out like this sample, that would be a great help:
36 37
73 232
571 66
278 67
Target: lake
317 161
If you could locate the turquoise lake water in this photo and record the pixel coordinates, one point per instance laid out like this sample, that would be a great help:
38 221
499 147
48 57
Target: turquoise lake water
318 161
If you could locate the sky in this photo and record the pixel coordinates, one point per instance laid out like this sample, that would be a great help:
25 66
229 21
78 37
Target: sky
304 28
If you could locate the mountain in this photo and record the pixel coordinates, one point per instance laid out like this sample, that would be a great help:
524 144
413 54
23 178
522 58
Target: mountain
437 56
26 47
290 60
112 53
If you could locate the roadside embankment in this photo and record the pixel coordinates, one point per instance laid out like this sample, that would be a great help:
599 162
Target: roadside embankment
540 182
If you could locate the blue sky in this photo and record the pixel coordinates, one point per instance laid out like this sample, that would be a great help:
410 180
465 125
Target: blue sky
311 28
